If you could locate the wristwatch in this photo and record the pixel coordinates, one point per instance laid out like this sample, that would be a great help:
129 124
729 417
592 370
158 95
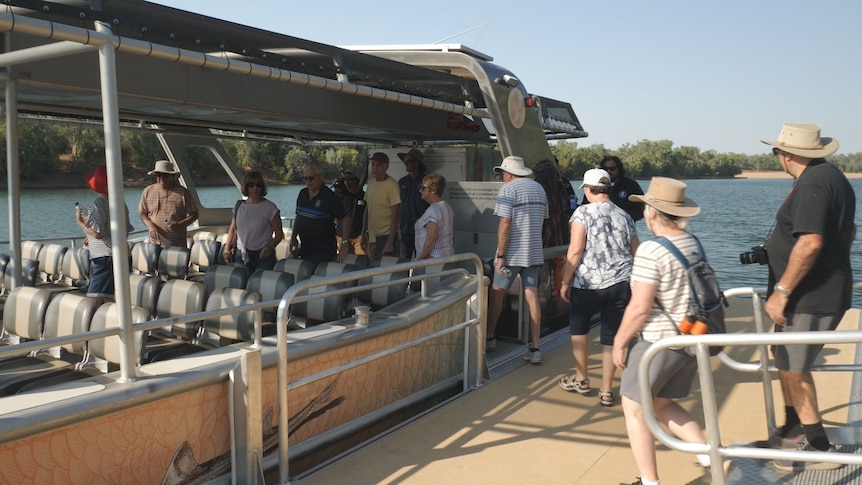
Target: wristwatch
780 289
345 242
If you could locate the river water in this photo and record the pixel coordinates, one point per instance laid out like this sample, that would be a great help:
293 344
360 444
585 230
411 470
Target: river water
736 215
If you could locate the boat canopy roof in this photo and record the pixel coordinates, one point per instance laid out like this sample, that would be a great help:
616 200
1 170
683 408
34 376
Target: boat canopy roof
178 68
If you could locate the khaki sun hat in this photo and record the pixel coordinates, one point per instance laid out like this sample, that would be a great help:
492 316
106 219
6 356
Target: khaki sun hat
414 154
668 195
164 166
513 165
804 139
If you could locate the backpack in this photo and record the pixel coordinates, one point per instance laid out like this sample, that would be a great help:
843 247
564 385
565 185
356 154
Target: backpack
706 300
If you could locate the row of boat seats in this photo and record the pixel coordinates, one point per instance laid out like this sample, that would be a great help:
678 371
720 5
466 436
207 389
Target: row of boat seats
53 264
34 313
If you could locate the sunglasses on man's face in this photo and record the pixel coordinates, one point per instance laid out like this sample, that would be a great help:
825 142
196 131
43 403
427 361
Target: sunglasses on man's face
610 169
309 178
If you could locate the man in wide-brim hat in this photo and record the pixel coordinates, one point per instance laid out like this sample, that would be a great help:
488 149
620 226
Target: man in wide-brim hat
810 280
166 207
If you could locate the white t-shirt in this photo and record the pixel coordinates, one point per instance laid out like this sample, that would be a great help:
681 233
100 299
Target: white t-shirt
254 224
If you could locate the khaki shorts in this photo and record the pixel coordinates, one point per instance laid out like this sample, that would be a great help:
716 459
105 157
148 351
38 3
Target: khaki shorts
798 359
671 372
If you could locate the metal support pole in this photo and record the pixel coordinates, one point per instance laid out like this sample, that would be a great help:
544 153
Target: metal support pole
246 420
117 204
13 170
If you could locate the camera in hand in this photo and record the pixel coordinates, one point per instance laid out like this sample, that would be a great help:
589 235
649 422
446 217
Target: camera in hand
756 255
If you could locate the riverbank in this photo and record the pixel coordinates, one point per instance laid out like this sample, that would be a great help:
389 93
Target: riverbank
777 174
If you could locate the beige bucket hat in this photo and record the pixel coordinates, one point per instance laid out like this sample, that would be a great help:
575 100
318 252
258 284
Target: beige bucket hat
513 165
804 139
668 195
164 166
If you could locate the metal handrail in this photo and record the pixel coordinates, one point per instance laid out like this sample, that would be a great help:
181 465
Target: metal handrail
292 296
761 338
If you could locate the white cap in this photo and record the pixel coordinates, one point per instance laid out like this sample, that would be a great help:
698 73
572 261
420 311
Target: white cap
593 177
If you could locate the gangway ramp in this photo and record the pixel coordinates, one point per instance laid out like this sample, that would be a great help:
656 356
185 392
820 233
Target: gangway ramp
522 428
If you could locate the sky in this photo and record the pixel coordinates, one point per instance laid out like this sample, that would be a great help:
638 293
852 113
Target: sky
719 75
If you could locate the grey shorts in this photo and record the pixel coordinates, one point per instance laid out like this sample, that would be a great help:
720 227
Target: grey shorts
529 277
671 373
798 359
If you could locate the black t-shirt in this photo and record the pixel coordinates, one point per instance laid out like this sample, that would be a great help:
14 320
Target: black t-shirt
412 205
820 202
315 221
620 192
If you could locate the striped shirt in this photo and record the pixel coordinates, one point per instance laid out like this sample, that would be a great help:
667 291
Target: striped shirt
607 256
441 214
656 266
99 220
524 202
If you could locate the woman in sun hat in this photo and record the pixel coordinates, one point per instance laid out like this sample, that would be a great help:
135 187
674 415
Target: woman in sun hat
659 299
96 224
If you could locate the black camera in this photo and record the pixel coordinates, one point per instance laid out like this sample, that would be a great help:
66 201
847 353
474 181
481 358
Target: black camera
756 255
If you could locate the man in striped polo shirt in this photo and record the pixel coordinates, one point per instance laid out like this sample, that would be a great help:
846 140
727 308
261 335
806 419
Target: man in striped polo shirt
522 206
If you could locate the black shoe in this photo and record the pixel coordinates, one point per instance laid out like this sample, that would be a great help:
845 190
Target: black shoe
792 466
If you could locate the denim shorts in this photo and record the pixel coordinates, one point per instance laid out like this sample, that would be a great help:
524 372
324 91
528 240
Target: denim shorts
101 277
529 276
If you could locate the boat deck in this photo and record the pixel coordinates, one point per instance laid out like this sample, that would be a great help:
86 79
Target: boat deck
521 427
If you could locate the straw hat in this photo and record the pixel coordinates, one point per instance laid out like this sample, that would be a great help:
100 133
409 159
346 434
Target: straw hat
668 195
513 165
98 180
804 139
164 166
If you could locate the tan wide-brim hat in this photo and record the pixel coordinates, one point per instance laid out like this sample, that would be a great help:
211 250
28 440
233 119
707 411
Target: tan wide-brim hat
164 166
804 139
513 165
668 195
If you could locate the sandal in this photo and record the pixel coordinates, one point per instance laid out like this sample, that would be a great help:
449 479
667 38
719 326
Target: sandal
569 383
606 398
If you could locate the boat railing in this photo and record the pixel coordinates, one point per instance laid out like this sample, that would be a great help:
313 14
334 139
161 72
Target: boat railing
762 339
473 327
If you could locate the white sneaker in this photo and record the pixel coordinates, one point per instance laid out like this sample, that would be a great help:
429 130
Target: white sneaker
534 357
490 344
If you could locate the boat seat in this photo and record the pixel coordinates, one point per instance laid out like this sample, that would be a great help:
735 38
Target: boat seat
387 295
335 269
4 261
29 273
67 314
51 262
145 257
322 310
271 285
204 236
222 239
103 353
431 283
144 292
173 263
359 260
176 298
300 269
235 327
225 276
203 254
30 250
282 249
386 261
24 315
76 268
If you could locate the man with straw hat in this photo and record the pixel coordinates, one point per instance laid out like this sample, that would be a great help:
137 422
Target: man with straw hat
166 207
810 279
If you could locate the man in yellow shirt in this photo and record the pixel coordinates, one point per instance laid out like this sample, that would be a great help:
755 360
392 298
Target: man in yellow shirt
383 209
